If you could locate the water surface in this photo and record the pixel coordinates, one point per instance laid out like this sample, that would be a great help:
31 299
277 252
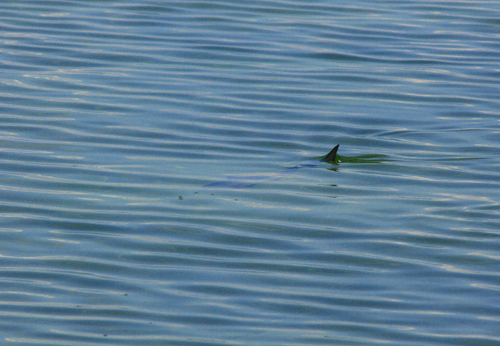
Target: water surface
114 116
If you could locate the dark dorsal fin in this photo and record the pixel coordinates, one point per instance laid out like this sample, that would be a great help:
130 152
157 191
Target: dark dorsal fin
331 155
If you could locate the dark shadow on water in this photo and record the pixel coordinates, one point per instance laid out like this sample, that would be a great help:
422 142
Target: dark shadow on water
250 181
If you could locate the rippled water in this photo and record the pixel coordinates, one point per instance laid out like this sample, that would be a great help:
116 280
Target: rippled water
116 115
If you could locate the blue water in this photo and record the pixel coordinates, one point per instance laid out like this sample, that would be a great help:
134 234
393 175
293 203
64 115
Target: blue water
114 115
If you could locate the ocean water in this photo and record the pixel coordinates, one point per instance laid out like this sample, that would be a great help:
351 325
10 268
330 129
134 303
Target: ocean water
124 125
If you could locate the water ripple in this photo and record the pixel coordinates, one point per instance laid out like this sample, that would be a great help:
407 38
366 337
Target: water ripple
113 116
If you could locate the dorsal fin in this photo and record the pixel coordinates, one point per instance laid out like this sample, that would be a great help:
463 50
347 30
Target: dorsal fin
331 155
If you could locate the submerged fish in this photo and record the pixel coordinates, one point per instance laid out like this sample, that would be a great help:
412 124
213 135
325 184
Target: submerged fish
243 182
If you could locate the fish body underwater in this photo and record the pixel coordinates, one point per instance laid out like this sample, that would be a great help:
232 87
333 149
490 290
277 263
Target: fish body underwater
246 182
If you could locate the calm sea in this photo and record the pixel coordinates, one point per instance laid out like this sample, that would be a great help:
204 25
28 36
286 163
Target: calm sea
116 115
